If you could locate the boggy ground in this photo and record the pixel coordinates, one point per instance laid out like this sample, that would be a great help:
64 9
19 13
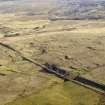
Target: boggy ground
76 45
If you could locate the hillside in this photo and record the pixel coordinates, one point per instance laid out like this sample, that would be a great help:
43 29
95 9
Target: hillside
74 41
76 45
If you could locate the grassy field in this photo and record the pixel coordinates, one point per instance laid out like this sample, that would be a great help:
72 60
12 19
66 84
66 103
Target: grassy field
76 45
56 92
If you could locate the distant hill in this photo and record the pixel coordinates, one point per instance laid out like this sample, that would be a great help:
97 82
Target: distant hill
56 9
79 9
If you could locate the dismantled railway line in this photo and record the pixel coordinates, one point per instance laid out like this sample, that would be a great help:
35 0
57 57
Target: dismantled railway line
68 76
62 73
